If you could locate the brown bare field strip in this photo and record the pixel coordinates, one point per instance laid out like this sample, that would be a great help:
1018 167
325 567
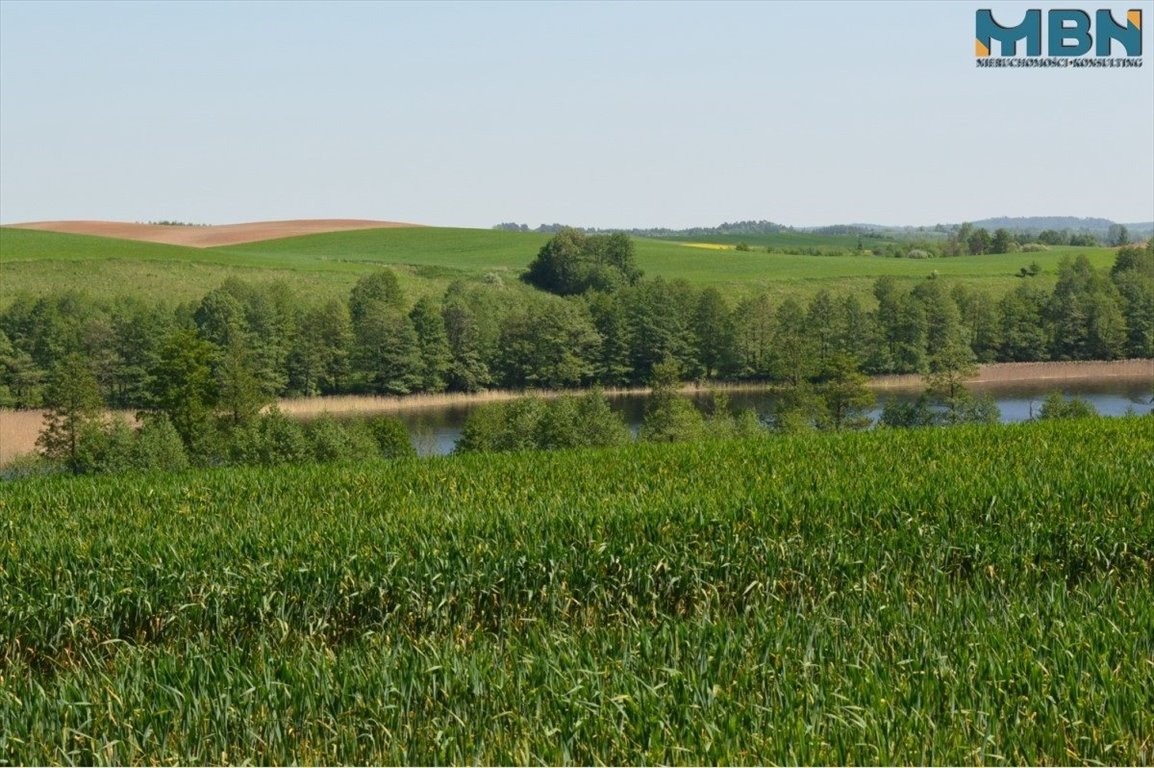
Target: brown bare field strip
19 429
208 236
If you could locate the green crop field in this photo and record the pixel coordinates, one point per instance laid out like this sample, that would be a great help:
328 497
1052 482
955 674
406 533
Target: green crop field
785 240
970 595
804 275
428 259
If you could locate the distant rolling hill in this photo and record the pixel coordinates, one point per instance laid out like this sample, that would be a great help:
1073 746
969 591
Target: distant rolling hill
1095 226
428 259
206 236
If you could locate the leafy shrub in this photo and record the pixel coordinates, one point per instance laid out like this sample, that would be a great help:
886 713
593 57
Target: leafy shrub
532 423
722 422
1057 407
104 447
158 446
929 412
391 437
669 417
900 414
270 439
332 440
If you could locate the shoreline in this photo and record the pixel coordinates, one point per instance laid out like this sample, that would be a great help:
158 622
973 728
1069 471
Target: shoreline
20 428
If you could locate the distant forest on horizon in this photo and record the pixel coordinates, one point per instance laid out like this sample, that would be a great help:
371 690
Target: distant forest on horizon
1098 227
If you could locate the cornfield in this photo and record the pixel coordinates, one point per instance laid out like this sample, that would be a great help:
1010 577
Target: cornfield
968 595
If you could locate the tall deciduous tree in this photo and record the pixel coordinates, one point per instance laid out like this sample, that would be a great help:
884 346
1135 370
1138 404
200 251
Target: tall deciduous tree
241 395
1117 235
950 367
20 379
753 325
1023 332
669 417
220 319
185 389
468 371
380 287
824 322
1086 314
1133 274
387 352
794 349
660 325
73 405
858 337
607 312
318 361
846 395
433 342
979 314
1001 241
714 331
549 343
979 241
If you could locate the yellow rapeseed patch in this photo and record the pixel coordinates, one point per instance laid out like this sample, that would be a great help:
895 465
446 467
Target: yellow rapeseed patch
710 246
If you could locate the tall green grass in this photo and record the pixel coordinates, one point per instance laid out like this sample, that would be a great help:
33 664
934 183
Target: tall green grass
970 595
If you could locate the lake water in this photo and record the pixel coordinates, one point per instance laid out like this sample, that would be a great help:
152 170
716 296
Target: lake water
435 431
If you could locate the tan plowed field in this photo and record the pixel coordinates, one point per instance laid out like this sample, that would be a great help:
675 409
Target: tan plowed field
210 235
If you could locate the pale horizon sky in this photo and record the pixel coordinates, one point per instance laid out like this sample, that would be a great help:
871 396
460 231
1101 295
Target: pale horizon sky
591 114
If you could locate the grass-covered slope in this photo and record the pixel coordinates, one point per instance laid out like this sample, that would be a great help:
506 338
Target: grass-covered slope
428 258
967 595
471 249
35 262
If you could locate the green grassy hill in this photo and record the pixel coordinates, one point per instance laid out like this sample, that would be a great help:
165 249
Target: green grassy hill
321 265
428 259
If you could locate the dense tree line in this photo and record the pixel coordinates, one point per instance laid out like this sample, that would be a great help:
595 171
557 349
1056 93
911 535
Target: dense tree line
244 344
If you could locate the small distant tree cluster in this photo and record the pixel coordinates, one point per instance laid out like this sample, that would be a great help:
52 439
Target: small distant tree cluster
275 439
970 240
535 423
671 417
1117 236
573 263
946 400
196 419
1065 237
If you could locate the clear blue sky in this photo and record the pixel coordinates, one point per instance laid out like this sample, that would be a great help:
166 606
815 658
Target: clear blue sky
608 115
